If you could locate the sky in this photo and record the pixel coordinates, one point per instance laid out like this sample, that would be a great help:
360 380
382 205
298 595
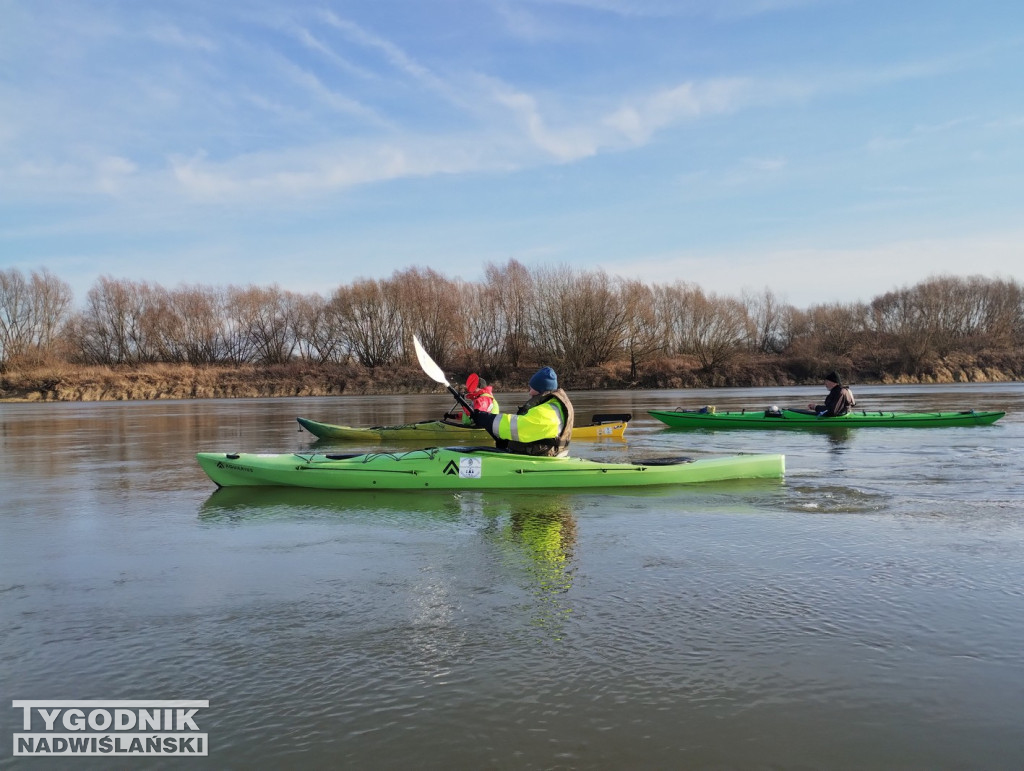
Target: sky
826 150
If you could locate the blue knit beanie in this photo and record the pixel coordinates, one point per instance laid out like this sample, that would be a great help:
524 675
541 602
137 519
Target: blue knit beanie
545 379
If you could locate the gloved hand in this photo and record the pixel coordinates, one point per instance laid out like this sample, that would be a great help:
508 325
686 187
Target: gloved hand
483 419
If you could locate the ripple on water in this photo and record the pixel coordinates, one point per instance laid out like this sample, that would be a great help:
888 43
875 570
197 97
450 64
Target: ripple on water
835 499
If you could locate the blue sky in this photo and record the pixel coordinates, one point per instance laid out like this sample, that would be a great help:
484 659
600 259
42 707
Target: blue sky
829 150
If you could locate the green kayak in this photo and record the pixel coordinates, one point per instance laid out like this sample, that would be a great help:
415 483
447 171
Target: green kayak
773 418
473 468
441 432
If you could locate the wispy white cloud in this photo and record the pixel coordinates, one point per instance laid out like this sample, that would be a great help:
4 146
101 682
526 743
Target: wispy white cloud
489 142
624 8
325 168
919 132
396 57
639 120
112 172
335 101
173 35
715 9
313 43
562 145
521 22
339 165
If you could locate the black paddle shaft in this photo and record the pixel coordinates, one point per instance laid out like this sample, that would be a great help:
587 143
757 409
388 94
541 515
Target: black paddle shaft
461 399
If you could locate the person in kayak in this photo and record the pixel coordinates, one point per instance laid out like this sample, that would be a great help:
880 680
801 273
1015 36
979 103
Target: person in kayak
480 397
541 426
839 400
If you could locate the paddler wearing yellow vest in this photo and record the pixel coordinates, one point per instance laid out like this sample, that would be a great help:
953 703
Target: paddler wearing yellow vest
541 426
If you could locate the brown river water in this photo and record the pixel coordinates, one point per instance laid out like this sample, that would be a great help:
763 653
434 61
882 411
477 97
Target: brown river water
867 612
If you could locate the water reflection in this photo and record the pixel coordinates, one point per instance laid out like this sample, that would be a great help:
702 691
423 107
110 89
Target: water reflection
533 535
245 504
831 431
538 535
838 439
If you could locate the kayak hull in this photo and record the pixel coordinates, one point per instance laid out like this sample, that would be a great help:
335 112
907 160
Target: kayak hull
440 432
796 419
472 468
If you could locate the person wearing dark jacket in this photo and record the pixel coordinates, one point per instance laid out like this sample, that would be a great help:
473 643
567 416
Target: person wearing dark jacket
541 426
839 400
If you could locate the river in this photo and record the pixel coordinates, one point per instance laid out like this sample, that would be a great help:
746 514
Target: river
867 612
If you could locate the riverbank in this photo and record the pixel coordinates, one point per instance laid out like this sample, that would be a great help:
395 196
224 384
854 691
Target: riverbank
65 382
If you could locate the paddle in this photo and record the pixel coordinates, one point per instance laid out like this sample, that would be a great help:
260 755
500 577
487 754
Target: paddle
435 373
472 383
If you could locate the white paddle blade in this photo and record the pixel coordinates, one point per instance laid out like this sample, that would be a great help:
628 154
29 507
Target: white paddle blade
429 366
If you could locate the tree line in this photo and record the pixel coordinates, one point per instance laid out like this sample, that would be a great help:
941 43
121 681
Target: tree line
573 319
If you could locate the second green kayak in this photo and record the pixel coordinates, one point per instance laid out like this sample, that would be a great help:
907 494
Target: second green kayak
473 468
440 432
783 419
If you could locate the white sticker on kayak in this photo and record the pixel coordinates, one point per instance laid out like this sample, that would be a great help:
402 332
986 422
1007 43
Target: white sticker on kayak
470 468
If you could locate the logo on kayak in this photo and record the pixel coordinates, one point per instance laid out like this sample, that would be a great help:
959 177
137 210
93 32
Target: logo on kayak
235 467
467 468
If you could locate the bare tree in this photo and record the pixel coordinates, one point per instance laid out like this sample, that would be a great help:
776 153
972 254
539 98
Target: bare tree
368 321
31 313
718 330
1004 314
115 327
577 318
644 335
431 309
837 328
705 326
484 329
897 316
317 330
514 287
267 319
766 316
198 321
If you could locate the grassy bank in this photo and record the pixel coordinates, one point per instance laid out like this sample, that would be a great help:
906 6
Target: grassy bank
65 382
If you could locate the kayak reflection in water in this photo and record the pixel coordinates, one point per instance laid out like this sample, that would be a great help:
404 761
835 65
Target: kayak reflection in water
541 426
548 532
539 536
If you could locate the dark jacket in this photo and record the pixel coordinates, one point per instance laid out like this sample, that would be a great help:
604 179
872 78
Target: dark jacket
838 402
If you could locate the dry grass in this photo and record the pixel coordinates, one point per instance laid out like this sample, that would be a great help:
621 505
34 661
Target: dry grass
66 382
178 381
